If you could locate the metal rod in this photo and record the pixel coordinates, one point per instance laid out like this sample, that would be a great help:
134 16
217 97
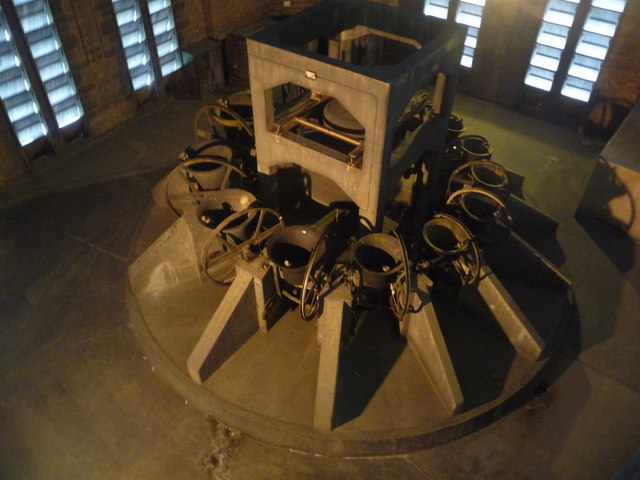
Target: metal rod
328 131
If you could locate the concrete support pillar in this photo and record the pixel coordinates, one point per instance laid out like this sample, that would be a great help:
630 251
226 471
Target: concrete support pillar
333 322
520 332
240 314
425 339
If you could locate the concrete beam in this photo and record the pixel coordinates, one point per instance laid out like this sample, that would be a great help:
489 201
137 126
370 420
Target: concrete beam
242 311
232 324
521 333
332 323
430 350
168 262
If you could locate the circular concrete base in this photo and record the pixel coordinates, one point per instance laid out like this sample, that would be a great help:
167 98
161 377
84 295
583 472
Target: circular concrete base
386 404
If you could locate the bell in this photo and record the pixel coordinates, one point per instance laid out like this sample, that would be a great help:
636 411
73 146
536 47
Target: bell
215 147
337 117
446 235
456 128
467 148
480 206
379 257
214 210
290 249
490 175
208 173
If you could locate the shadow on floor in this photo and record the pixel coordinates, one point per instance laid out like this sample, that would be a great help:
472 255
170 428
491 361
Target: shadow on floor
617 246
369 352
481 354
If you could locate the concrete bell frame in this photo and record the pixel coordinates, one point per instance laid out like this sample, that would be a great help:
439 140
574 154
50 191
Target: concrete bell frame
375 96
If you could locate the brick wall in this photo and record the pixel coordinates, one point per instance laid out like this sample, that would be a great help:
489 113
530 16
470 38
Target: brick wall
90 37
503 51
290 7
91 41
620 76
223 17
190 21
89 34
12 164
618 86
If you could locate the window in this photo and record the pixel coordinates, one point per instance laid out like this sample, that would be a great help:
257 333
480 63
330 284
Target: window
22 104
468 12
593 44
164 32
15 91
437 8
136 46
134 42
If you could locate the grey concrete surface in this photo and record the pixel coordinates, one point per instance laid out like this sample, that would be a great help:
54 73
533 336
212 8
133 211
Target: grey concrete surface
79 400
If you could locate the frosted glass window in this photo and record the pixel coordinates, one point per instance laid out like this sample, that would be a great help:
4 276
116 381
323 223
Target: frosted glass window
15 91
469 12
599 27
164 31
550 43
593 45
134 39
46 50
437 8
134 42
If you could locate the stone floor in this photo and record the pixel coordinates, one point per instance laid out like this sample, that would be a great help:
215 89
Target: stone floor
80 400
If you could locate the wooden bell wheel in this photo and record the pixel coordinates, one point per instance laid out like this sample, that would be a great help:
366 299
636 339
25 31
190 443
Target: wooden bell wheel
242 235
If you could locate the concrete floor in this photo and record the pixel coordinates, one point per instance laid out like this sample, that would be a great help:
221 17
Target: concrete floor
79 400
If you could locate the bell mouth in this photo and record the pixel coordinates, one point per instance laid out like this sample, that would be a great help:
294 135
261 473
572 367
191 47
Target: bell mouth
475 147
208 149
379 257
203 166
290 250
336 116
208 172
213 211
445 235
456 125
479 207
490 174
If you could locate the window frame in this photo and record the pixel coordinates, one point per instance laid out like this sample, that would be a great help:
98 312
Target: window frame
573 58
455 10
159 81
57 135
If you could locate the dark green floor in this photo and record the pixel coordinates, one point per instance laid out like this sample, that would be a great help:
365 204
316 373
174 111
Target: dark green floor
79 400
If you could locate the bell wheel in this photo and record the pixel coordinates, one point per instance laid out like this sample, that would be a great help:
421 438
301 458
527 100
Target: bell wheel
240 236
399 297
315 277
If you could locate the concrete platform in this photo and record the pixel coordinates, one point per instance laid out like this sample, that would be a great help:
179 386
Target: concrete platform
81 400
385 403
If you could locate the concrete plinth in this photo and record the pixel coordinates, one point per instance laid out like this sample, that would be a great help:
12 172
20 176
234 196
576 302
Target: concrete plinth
613 193
298 384
430 349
